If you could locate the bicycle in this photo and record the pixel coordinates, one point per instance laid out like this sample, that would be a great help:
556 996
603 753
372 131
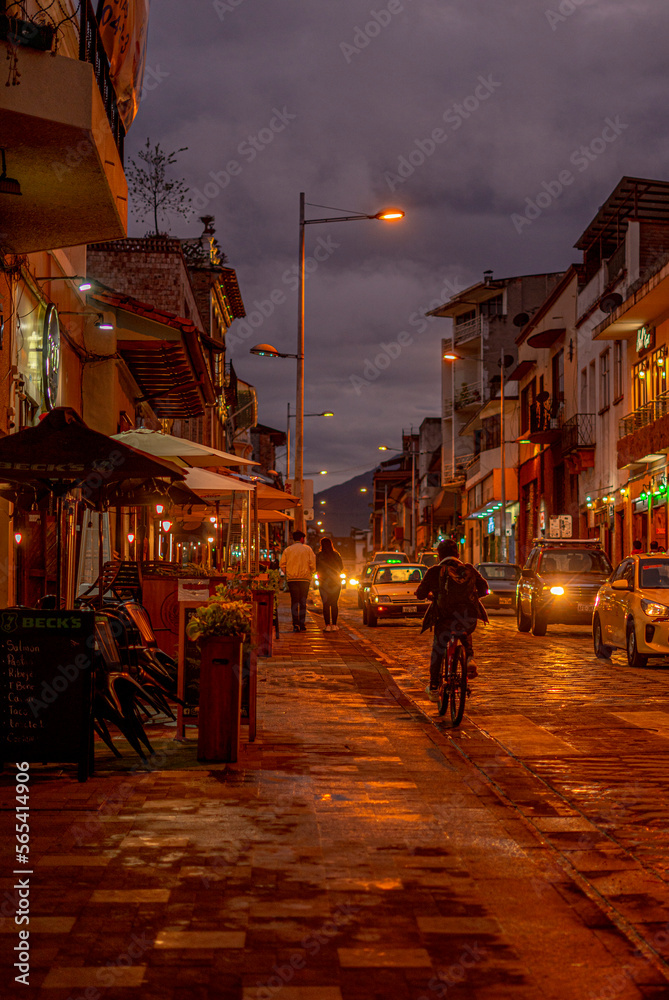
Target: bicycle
453 680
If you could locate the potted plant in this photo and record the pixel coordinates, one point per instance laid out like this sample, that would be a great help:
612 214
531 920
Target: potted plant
221 628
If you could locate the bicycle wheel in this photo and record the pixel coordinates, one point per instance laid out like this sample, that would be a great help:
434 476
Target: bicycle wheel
458 684
444 687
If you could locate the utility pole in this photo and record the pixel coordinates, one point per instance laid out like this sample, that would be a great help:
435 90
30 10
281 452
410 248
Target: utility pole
502 549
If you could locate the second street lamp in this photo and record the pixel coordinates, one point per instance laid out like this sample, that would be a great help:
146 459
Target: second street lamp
385 216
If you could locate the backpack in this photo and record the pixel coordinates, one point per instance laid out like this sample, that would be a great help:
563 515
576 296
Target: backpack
457 586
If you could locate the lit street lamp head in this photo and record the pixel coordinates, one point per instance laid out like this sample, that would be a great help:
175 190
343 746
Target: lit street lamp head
389 214
268 351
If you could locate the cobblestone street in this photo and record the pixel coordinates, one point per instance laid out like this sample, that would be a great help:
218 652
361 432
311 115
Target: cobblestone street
361 849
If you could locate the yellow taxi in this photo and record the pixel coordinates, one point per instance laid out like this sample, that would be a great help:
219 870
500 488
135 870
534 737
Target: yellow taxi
632 610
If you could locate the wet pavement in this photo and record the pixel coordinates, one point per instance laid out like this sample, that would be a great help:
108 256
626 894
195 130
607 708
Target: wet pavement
362 849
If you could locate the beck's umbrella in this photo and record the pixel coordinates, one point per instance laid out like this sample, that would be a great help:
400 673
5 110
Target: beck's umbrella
62 453
62 450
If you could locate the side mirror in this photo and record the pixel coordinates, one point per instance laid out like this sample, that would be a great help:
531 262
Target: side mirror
527 574
620 585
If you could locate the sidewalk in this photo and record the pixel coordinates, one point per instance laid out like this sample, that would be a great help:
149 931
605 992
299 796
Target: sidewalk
351 854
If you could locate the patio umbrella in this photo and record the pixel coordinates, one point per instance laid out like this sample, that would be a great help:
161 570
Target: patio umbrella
62 453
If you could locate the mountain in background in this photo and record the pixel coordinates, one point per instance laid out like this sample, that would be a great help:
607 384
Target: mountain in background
345 506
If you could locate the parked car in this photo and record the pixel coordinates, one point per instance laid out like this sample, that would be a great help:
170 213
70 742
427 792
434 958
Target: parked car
502 580
559 583
428 559
363 578
390 593
632 610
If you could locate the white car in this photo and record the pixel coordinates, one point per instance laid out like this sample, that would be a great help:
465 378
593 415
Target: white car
632 610
390 592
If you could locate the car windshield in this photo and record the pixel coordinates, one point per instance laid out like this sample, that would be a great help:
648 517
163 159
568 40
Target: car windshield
573 561
429 559
654 574
399 574
499 571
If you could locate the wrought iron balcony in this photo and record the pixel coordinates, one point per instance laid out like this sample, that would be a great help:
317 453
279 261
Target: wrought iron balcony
91 50
578 432
644 415
545 421
468 395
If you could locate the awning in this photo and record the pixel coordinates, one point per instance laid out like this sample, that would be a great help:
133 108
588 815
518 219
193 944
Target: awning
521 370
187 452
545 338
211 484
165 377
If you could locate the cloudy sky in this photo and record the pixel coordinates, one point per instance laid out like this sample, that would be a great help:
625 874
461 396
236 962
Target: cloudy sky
457 112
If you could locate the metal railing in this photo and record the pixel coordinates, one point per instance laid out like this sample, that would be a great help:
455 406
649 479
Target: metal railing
462 468
91 50
644 415
545 416
467 331
469 395
578 432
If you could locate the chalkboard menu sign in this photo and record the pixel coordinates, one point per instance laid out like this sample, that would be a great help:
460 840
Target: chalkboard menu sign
46 689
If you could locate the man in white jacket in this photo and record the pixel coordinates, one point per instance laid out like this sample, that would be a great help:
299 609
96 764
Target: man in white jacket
298 563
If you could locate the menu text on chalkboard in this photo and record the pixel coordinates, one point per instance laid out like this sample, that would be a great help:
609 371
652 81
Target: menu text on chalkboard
46 685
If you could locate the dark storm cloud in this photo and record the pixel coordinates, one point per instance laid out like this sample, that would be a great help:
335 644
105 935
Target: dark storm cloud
461 113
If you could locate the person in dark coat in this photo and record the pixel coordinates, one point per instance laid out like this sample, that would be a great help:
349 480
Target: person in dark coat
456 589
329 566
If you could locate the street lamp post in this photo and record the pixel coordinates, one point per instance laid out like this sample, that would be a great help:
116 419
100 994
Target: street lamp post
267 350
299 421
325 413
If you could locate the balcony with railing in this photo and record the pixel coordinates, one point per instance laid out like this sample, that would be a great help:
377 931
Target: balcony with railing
63 136
578 442
469 395
644 433
467 331
546 416
456 474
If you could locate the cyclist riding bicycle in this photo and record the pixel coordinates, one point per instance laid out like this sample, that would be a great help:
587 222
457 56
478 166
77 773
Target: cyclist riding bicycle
456 589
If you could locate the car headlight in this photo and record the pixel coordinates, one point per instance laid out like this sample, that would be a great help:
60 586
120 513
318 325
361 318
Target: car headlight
342 576
353 582
654 610
376 599
558 591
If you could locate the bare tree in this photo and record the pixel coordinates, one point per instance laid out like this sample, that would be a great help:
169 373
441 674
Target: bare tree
152 191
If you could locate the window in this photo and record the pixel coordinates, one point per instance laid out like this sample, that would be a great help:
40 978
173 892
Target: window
491 433
592 388
584 390
465 317
604 379
494 306
527 397
618 370
558 379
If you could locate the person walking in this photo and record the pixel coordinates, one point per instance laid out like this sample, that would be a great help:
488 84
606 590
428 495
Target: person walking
298 563
329 566
456 589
